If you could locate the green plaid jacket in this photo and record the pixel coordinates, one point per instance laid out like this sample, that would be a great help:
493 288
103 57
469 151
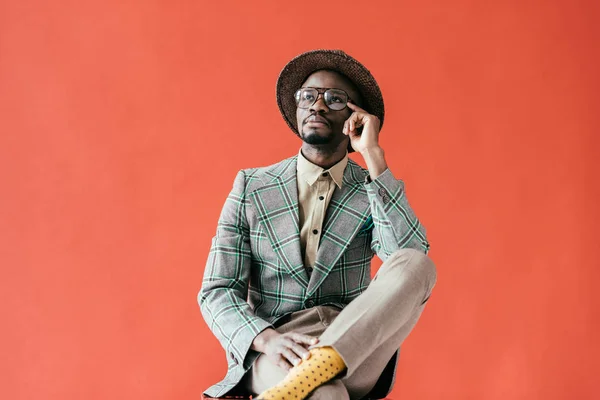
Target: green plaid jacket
255 272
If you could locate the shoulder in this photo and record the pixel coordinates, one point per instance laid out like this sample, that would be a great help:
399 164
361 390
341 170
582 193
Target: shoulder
258 176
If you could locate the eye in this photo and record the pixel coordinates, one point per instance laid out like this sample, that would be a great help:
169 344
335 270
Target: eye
307 96
336 99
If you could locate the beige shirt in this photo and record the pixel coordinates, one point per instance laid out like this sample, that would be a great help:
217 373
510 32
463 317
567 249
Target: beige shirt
315 188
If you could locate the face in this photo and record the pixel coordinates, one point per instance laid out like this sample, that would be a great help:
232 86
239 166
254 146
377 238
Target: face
318 124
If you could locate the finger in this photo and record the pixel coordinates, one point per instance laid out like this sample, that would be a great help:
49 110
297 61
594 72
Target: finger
345 129
360 122
290 356
291 351
301 351
357 120
300 338
283 363
349 123
354 107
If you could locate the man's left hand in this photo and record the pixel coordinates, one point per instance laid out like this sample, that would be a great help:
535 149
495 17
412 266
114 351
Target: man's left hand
368 138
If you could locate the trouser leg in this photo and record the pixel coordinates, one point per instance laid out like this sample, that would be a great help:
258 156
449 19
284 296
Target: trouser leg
332 390
367 332
372 327
264 374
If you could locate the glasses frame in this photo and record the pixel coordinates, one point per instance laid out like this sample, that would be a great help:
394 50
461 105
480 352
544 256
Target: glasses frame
321 93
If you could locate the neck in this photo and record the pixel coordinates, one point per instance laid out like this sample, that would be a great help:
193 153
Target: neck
324 157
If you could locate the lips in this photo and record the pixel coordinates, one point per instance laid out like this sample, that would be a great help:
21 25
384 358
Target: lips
316 119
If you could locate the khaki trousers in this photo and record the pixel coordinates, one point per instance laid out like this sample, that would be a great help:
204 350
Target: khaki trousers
366 333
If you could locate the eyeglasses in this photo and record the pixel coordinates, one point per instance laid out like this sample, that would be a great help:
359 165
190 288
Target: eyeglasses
335 99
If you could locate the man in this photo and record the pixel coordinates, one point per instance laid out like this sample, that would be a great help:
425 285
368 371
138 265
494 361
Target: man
287 287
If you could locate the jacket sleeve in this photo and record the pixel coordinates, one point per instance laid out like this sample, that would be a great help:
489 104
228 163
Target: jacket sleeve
224 292
395 224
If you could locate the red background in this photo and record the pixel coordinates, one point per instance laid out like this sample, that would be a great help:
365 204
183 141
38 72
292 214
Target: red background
123 124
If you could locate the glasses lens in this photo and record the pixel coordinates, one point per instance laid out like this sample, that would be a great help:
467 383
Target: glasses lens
336 99
306 97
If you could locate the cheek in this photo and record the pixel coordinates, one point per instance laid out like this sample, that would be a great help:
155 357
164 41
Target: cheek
299 117
343 116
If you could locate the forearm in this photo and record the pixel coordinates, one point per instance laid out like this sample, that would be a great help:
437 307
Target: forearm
375 160
231 320
396 225
223 297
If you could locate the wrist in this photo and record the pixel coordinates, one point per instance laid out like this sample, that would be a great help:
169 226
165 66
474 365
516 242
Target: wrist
375 159
260 341
372 151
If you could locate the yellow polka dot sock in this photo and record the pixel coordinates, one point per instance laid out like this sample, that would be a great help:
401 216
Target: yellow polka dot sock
323 365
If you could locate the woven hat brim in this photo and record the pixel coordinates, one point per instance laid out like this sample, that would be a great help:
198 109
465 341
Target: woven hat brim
298 69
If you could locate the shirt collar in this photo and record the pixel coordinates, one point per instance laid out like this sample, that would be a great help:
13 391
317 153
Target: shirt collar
311 172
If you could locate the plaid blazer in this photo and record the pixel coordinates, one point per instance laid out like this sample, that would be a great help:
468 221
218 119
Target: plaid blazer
255 272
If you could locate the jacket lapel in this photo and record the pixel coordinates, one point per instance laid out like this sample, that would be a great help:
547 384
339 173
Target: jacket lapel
276 204
347 212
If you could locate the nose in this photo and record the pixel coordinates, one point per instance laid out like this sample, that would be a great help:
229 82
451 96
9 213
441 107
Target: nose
319 105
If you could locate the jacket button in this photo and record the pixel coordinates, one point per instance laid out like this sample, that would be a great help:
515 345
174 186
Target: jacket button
382 192
235 361
310 304
385 199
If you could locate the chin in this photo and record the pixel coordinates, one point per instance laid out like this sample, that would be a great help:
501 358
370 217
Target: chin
313 137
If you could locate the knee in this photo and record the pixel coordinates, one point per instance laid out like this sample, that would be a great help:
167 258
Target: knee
416 261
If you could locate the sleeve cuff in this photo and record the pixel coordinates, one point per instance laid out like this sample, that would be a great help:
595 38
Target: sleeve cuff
247 356
384 186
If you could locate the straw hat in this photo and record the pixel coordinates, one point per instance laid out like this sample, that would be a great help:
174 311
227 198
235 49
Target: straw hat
298 69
